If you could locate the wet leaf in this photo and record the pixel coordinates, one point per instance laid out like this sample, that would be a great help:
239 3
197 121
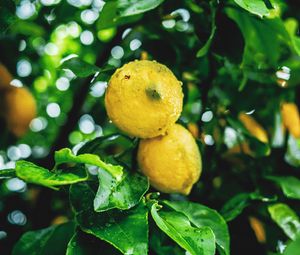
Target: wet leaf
32 173
7 173
121 195
195 240
48 241
126 230
286 219
202 216
84 244
290 185
66 156
257 7
293 247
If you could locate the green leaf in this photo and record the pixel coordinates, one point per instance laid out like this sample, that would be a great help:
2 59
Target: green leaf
289 185
235 206
257 7
126 230
293 247
286 219
7 173
239 202
134 7
204 50
110 16
7 19
32 173
120 12
265 42
48 241
195 240
76 245
121 195
161 245
79 67
202 216
28 28
292 27
66 156
84 244
292 155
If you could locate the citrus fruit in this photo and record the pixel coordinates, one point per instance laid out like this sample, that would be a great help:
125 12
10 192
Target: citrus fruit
171 162
144 98
19 109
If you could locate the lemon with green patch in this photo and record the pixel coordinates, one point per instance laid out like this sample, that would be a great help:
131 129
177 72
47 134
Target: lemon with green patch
144 99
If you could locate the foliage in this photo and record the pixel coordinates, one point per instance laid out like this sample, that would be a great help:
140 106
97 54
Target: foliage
232 56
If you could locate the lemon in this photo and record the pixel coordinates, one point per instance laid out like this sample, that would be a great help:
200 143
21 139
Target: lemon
144 98
19 109
171 162
5 77
253 127
291 118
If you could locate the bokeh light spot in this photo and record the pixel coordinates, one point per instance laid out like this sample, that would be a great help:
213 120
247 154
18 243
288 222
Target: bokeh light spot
53 110
135 44
87 37
86 124
62 84
117 52
16 185
24 68
17 218
207 116
38 124
98 88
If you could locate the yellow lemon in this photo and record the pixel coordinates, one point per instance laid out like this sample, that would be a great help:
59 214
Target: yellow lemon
19 110
171 162
144 98
254 127
5 77
291 118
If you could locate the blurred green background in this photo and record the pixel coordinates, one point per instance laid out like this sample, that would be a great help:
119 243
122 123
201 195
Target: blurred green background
249 64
